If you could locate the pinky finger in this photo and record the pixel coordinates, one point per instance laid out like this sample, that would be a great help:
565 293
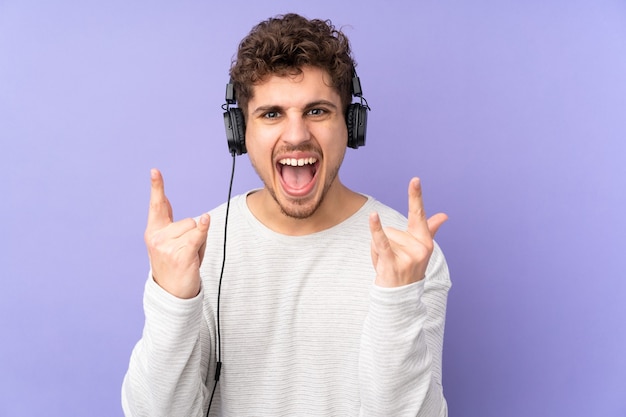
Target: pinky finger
435 221
204 222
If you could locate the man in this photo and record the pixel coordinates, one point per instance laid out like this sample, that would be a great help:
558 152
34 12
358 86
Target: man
321 310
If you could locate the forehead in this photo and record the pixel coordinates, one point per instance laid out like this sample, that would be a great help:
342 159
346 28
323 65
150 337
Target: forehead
310 85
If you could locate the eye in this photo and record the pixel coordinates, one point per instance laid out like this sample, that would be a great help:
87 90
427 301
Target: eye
271 115
316 112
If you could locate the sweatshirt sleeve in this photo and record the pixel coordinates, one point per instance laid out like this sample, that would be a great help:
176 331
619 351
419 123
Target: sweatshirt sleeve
165 377
401 347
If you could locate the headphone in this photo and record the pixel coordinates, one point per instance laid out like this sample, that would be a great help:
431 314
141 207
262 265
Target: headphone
235 124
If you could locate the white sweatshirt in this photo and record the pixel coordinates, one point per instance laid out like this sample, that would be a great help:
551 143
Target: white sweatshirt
304 330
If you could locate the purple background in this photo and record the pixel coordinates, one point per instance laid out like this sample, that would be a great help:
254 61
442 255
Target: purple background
513 113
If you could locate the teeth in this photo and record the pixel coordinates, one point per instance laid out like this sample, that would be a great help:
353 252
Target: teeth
297 162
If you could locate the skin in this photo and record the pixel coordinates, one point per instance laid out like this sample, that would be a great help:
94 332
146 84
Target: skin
292 116
296 117
401 257
175 249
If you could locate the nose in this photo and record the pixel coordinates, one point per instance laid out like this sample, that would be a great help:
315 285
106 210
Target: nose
296 130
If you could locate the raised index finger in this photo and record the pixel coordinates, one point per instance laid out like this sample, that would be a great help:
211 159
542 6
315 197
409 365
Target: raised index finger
417 224
160 211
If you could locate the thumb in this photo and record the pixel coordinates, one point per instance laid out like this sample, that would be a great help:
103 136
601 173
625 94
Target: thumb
435 222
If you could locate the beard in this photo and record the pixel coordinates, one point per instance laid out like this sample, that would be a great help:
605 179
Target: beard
303 208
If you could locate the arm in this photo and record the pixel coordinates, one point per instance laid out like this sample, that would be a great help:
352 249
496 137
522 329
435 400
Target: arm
400 360
165 376
401 347
165 373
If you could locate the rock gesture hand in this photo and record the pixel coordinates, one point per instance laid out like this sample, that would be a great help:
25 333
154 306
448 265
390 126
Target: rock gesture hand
401 257
175 249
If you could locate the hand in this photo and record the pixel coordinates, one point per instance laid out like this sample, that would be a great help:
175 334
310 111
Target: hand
175 249
400 258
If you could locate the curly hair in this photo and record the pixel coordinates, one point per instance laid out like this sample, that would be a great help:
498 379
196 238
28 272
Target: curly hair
282 45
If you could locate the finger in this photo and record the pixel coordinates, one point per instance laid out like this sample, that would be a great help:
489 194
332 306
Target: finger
186 233
196 231
196 236
417 225
193 233
160 211
380 241
435 221
178 229
204 222
203 226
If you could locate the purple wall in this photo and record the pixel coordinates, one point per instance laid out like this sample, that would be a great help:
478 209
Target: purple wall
513 113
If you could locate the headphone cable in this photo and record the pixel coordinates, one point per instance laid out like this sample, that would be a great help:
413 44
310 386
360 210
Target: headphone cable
218 341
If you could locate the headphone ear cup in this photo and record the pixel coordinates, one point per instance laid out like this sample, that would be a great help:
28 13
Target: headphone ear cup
356 121
235 126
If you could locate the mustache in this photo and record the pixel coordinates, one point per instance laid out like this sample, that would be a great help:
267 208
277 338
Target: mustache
304 147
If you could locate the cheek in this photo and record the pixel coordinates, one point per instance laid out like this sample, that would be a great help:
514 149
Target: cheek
339 141
259 151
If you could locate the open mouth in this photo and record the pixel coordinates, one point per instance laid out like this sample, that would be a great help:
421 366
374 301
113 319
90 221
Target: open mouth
298 174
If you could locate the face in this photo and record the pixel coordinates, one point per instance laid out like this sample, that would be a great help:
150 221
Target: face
296 139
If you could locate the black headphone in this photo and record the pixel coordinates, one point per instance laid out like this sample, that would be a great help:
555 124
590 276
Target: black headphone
235 124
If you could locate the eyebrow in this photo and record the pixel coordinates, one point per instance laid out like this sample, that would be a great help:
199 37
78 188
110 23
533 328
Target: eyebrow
276 108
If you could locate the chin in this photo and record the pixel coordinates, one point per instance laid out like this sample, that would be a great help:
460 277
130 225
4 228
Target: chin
299 210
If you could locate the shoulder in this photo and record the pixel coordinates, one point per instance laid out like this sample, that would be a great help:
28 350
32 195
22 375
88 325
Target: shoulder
235 207
388 215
